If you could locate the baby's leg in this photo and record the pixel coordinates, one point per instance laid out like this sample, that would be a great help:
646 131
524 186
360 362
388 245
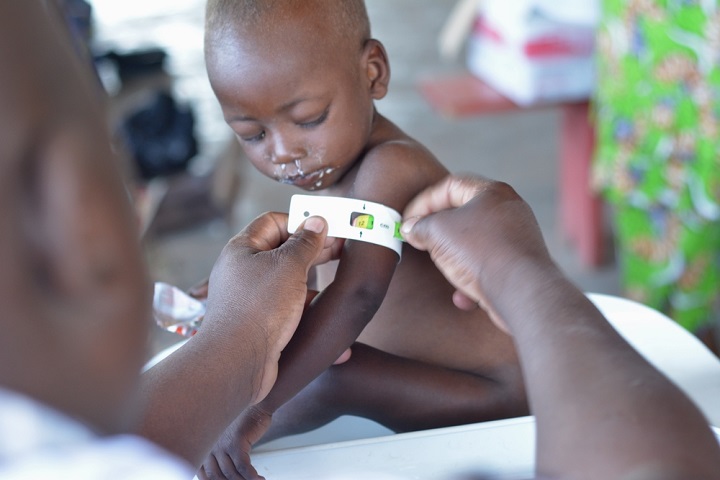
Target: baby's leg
401 394
316 405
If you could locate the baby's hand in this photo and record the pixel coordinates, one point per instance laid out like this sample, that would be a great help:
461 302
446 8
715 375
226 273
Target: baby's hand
200 291
230 458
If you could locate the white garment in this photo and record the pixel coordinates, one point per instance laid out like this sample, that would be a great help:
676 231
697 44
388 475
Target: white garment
37 442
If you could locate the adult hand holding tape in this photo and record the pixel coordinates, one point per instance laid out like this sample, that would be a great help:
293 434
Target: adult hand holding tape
350 218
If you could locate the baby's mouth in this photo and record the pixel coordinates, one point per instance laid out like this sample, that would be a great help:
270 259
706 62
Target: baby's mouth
301 178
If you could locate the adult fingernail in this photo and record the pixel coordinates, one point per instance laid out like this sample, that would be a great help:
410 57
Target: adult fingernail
314 224
408 225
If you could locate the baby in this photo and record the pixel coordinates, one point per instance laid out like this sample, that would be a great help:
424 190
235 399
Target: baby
297 81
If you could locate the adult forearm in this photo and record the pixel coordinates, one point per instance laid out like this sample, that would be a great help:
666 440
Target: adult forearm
594 396
602 411
191 397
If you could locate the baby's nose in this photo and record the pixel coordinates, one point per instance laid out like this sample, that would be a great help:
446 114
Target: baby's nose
284 151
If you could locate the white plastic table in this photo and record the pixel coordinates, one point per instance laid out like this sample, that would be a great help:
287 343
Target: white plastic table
503 448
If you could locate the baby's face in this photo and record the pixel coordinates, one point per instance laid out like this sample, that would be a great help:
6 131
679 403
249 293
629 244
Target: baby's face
301 110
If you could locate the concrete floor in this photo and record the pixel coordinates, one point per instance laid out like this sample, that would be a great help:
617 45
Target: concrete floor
519 148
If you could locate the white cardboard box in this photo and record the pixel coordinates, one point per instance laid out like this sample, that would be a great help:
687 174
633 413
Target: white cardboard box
530 54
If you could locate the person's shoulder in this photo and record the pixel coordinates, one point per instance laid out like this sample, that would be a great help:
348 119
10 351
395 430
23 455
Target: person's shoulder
395 169
391 146
401 152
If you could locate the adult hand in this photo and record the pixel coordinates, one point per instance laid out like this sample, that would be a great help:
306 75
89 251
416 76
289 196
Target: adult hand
256 295
481 235
259 285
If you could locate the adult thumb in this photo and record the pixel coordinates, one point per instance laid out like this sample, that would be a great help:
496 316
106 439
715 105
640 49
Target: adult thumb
418 232
307 243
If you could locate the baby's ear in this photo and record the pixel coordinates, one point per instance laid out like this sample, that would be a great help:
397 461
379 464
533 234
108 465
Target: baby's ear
377 67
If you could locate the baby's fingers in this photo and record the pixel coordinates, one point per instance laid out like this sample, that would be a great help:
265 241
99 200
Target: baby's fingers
211 470
242 466
228 467
201 474
200 291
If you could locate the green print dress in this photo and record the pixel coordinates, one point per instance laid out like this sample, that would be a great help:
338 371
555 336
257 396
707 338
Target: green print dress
658 158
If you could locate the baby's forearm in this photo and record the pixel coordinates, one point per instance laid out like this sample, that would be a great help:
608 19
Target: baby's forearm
329 326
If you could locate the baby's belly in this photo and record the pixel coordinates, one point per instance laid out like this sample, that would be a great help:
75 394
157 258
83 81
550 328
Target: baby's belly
418 320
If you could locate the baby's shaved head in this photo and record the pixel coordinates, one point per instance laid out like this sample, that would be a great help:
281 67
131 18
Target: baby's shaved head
348 19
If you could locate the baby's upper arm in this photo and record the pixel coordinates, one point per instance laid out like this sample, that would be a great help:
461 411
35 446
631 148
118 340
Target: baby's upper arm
394 172
390 174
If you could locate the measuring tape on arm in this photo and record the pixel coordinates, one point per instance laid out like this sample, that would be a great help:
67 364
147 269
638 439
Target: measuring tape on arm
350 218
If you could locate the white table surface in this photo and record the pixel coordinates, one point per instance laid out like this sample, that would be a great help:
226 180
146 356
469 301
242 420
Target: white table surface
505 448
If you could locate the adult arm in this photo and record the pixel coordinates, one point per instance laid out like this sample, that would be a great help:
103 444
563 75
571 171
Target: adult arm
602 411
256 294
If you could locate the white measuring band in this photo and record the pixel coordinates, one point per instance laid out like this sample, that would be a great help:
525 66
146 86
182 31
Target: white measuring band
350 218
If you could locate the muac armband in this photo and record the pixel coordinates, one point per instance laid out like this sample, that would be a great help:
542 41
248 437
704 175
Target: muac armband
350 218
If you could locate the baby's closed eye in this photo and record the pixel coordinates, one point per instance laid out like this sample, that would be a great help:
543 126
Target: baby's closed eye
315 121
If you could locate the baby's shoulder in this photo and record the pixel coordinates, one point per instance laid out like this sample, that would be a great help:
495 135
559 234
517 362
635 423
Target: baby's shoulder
394 171
401 153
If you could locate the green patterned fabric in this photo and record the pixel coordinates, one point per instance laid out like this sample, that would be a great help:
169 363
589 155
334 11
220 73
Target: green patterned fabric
658 156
